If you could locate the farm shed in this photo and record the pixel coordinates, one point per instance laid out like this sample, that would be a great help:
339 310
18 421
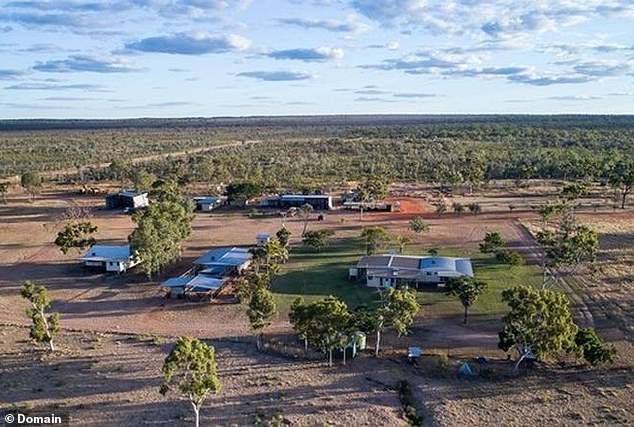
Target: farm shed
127 199
224 262
111 258
382 271
207 203
201 284
285 201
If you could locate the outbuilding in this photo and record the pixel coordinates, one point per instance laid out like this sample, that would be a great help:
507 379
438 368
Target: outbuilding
286 201
207 203
116 259
224 262
127 199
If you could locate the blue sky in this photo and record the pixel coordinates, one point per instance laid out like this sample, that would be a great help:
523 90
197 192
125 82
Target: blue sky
173 58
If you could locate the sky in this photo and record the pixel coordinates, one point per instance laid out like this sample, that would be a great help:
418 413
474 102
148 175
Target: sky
179 58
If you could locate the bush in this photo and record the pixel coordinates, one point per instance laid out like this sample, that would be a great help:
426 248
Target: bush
474 208
442 363
509 257
592 348
408 404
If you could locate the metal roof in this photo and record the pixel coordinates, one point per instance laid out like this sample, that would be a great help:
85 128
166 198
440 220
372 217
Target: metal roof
107 253
198 282
225 256
401 264
207 200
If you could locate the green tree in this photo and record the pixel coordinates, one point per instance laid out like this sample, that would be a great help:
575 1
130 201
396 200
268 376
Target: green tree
375 238
539 322
32 183
142 180
592 348
121 170
160 231
44 327
418 225
458 207
491 243
247 285
622 179
509 257
441 207
402 242
329 319
261 310
374 188
467 289
566 247
270 256
305 210
300 316
190 369
317 239
242 192
574 191
76 235
283 235
474 208
397 311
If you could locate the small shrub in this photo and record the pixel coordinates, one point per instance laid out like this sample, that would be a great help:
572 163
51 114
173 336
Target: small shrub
442 363
474 208
408 404
509 257
592 348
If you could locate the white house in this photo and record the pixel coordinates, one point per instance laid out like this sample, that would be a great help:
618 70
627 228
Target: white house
111 258
383 271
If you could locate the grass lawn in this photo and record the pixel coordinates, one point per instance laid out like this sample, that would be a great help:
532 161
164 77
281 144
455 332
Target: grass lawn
314 275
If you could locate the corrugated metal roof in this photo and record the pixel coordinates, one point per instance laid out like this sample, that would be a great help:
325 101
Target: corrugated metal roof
225 256
107 253
201 282
402 264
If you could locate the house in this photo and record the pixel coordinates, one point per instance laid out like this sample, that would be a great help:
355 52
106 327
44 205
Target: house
127 199
200 284
224 262
111 258
285 201
207 203
382 271
262 239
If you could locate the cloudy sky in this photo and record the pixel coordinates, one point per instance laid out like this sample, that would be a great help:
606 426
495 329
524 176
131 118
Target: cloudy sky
130 58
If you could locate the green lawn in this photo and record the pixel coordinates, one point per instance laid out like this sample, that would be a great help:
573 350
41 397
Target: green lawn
314 275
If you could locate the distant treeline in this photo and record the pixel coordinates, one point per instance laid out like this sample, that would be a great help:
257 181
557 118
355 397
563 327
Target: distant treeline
363 120
302 152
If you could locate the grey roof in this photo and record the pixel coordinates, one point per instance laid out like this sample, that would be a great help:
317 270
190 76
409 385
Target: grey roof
198 282
304 196
402 263
233 257
207 200
131 193
102 253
